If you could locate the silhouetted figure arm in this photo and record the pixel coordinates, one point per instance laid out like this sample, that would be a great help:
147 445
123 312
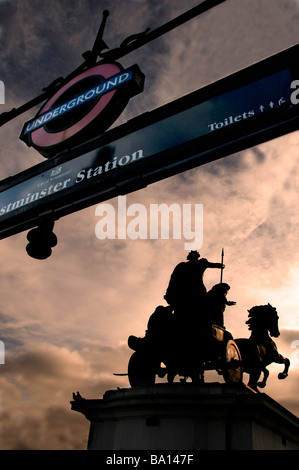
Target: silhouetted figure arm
215 265
186 284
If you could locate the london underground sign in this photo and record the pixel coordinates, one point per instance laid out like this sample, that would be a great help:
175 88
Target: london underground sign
83 108
249 107
94 92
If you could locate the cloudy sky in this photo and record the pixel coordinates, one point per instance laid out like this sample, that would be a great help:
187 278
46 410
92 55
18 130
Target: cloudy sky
65 321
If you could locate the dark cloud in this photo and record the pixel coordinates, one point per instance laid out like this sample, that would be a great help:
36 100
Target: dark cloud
257 152
54 429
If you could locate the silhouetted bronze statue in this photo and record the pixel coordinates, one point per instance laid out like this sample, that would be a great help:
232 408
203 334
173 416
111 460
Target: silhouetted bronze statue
188 336
260 350
186 294
186 288
189 343
182 335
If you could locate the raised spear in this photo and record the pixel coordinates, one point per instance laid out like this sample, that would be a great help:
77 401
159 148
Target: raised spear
222 258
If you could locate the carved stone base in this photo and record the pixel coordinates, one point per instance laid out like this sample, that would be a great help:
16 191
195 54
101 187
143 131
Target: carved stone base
188 417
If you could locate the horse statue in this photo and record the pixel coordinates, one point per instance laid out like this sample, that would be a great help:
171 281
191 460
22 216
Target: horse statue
260 350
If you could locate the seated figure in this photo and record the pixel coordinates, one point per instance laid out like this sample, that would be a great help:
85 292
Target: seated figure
216 302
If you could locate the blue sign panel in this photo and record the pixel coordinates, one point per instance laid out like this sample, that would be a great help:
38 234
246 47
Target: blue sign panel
237 112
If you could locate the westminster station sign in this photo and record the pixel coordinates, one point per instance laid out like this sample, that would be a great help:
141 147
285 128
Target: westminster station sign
244 109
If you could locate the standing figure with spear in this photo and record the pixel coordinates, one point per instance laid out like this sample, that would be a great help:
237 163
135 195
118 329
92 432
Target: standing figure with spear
216 300
186 296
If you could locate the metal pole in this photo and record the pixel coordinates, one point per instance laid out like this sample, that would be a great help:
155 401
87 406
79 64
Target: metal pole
156 33
114 54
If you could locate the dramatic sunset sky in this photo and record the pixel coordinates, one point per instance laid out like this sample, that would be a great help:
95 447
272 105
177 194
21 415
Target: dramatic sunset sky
65 321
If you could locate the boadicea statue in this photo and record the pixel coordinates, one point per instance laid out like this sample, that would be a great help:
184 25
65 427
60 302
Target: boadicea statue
188 336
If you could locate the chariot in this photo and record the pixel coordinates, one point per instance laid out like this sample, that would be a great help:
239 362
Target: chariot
170 349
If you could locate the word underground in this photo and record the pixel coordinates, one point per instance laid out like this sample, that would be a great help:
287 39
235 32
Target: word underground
2 89
94 92
112 225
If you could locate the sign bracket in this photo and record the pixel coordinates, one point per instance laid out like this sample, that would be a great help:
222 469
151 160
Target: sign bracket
127 46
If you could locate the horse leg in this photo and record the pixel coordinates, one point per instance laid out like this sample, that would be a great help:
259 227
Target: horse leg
286 362
262 384
254 375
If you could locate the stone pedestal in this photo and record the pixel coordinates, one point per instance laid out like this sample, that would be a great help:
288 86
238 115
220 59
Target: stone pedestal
188 417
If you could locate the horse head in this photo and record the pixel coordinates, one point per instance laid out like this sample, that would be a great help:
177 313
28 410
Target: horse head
263 317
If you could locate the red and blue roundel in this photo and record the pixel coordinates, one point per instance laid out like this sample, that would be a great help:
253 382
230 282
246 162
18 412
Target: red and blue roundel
83 108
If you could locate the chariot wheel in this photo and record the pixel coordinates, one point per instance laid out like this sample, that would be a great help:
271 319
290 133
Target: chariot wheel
141 371
232 369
